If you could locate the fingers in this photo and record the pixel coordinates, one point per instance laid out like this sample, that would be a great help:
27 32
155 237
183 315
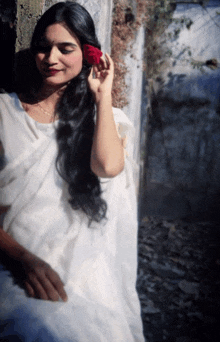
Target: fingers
58 285
103 65
109 61
29 289
50 290
101 77
35 288
94 73
45 285
106 63
104 68
91 74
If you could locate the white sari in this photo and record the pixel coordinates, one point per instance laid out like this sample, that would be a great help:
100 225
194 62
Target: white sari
97 264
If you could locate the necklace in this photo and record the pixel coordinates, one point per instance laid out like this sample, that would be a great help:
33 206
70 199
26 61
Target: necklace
44 111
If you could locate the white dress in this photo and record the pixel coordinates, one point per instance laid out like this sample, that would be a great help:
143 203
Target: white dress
97 264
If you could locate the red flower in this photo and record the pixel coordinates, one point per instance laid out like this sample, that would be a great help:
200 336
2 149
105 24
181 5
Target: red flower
92 54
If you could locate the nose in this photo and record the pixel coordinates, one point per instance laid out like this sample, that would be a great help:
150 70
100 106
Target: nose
52 56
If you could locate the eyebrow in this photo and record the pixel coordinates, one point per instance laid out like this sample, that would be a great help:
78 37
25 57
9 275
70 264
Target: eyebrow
45 41
67 44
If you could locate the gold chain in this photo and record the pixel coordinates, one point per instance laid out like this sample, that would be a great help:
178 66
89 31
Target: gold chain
44 111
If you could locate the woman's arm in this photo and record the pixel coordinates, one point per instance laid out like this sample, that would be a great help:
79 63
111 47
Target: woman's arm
40 280
107 156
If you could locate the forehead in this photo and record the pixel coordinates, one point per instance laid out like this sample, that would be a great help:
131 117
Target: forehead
59 33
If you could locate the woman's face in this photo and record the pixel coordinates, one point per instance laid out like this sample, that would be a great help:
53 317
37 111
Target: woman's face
60 57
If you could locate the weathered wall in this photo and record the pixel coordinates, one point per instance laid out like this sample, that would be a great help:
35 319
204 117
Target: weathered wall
128 42
183 151
101 11
133 79
28 12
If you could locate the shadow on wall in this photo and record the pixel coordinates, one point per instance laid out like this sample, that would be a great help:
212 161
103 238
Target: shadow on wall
7 43
183 149
26 74
17 70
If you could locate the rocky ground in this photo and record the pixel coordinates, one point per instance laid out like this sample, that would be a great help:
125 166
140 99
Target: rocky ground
179 280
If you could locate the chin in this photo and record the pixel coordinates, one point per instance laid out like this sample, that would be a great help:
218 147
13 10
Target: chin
56 84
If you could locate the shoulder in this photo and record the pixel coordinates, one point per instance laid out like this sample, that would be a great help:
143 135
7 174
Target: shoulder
9 106
7 100
4 99
4 96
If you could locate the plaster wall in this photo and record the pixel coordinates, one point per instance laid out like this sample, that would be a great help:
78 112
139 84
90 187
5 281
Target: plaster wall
183 158
101 12
134 77
29 11
133 80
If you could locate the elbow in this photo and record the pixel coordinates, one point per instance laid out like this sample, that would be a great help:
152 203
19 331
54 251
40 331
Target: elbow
109 170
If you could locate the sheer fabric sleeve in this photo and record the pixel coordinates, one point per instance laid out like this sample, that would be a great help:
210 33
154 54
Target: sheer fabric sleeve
125 129
126 132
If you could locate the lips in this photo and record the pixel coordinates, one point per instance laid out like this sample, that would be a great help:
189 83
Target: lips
52 72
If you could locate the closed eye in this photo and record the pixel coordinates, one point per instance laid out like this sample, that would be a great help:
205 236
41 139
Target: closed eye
66 47
65 52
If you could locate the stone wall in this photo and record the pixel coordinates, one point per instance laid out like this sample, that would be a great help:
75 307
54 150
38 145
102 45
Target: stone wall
133 79
183 158
101 11
28 12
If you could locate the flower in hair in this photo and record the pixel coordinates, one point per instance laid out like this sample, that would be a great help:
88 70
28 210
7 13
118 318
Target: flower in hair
91 54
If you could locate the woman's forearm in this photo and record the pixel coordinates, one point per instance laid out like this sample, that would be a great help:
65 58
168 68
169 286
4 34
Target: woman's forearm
107 156
10 247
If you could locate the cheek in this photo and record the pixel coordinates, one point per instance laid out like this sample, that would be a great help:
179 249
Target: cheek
76 62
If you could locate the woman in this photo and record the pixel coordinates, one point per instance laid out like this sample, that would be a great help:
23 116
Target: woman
69 233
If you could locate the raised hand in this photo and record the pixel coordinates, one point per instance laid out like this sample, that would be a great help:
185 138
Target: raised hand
101 77
40 280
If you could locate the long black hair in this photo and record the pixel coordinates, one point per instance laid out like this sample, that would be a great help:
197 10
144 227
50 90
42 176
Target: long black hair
76 110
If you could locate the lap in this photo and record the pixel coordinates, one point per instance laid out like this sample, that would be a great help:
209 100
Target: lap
78 320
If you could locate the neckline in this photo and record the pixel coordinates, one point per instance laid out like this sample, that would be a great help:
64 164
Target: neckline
45 124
